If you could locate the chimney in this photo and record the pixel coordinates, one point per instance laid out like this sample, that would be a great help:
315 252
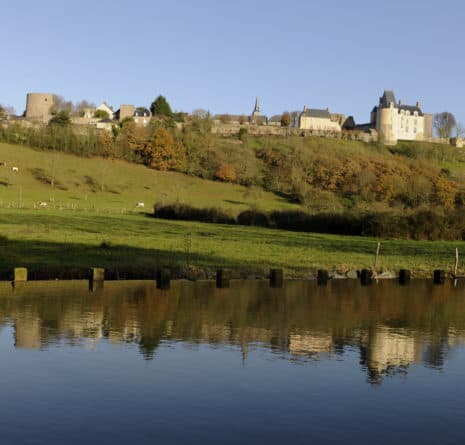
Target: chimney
418 105
400 103
305 108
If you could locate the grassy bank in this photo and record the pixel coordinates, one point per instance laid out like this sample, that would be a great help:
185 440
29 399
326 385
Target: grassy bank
53 241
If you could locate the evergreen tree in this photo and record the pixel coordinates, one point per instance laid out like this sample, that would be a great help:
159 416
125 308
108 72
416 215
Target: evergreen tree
161 107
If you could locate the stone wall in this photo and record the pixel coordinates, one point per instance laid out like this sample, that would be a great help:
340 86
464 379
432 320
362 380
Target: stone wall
271 130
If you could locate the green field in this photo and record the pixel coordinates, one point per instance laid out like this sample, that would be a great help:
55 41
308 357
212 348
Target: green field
112 185
58 240
90 220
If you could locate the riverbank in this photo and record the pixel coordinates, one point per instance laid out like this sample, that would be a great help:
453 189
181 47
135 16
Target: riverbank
64 244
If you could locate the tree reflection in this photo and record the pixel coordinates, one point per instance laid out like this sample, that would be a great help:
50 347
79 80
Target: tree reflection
392 327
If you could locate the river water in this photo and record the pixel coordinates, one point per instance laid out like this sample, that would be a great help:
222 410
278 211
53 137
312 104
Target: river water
304 364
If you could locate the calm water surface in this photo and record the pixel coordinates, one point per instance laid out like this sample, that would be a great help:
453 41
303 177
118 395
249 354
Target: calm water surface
304 364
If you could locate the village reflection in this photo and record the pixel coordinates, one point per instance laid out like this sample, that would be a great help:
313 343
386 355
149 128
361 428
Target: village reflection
391 327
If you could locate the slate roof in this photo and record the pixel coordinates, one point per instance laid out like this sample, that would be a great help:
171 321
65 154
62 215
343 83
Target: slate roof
313 112
276 118
142 112
411 109
387 98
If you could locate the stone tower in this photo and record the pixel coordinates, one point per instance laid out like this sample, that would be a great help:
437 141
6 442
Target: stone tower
38 106
384 124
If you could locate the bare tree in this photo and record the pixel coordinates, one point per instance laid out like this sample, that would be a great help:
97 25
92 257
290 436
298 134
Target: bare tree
200 113
60 104
460 130
6 110
444 123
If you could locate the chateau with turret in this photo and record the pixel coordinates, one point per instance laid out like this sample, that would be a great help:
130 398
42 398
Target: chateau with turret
396 121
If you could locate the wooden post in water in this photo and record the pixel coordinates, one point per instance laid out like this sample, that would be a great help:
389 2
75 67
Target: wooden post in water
366 277
223 278
404 276
276 278
163 278
378 247
20 275
456 261
97 278
439 276
322 277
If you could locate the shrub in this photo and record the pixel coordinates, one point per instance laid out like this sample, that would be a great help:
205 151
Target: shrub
185 212
253 218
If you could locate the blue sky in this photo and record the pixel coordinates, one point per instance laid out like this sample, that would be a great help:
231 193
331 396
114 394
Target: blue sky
219 55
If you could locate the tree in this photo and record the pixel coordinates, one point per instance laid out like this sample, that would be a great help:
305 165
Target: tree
460 130
225 118
226 172
444 123
6 111
200 113
162 152
61 118
81 107
161 107
285 119
101 114
106 143
61 105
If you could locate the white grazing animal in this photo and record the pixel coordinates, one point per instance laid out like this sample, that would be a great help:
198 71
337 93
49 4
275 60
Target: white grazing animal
15 169
42 204
140 205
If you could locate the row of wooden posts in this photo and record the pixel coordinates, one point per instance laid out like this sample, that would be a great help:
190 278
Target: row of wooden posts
223 277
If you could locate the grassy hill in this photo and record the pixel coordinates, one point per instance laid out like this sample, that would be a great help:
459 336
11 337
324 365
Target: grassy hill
71 182
91 220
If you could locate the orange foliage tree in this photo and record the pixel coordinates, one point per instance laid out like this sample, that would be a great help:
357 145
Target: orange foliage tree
226 173
162 152
106 143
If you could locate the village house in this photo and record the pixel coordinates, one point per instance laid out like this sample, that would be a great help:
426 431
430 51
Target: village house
318 120
106 108
275 121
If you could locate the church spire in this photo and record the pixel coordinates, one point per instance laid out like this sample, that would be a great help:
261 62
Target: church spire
257 107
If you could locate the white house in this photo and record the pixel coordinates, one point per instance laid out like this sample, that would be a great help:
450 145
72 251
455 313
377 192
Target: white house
105 107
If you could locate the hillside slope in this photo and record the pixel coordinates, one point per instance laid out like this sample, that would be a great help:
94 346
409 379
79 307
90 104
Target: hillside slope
67 181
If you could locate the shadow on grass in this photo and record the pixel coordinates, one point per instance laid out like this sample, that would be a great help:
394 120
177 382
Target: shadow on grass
49 260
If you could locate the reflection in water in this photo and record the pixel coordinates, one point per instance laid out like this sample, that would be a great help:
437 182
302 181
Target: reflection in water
391 326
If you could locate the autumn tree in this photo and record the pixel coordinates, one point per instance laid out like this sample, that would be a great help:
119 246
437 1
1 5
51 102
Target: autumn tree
286 119
106 143
162 152
226 173
161 107
128 134
444 123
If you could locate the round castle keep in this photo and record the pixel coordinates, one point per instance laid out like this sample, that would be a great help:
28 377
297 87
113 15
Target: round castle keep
38 105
